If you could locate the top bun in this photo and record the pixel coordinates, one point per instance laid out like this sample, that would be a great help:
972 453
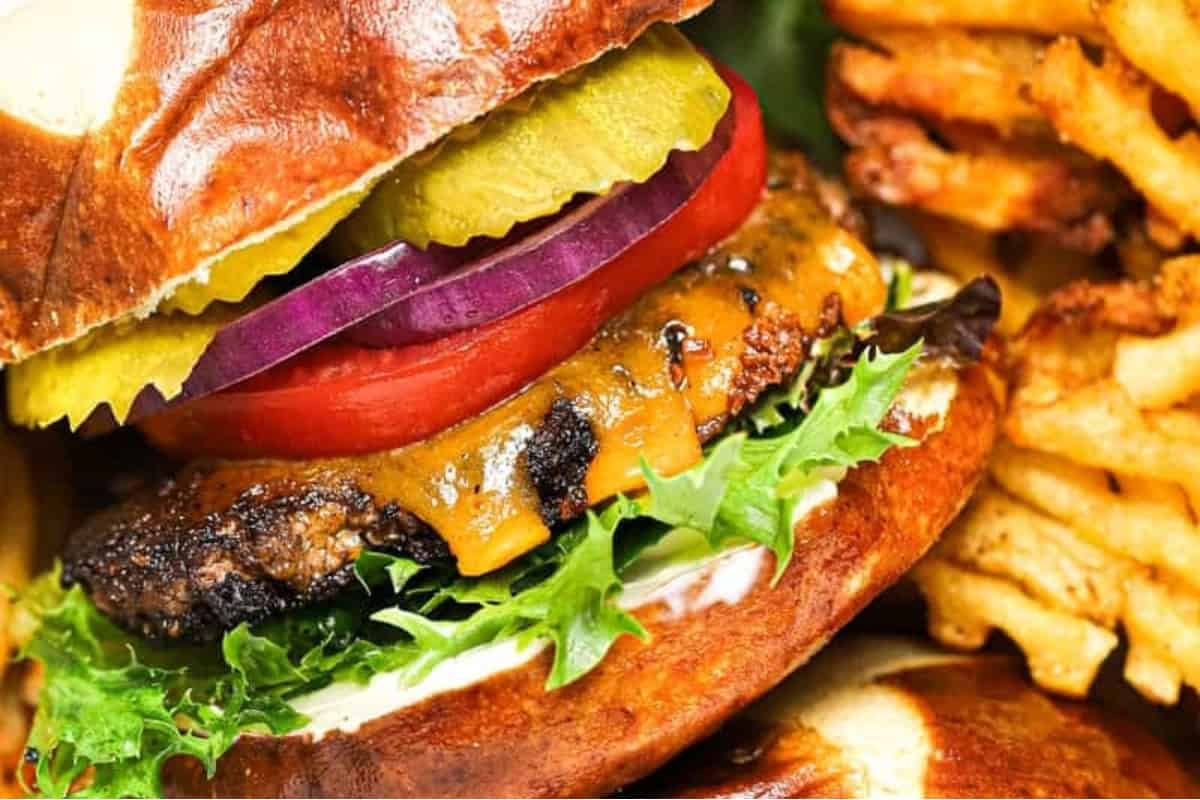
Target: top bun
141 141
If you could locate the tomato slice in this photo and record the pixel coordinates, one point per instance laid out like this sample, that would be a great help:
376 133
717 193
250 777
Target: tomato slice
341 398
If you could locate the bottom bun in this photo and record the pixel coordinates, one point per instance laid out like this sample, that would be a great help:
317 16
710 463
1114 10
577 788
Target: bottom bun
898 718
707 658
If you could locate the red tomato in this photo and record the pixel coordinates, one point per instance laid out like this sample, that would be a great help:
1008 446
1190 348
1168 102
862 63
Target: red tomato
340 398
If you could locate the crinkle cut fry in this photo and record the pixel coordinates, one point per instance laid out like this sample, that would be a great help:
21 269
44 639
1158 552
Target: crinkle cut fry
1002 536
1064 651
1106 376
1091 518
1106 111
1159 36
947 74
1036 589
995 186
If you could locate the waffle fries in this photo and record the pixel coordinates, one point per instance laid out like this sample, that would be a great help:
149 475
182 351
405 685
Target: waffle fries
1159 36
948 75
1045 16
1088 525
1073 124
1107 111
1115 83
945 128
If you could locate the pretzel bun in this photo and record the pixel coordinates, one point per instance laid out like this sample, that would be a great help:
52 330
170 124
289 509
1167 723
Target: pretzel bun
157 137
897 717
507 736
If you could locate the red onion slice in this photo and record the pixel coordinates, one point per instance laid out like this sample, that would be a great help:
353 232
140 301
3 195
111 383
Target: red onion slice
400 294
567 250
306 316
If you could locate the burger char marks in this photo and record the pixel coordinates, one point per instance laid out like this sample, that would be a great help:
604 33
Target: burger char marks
231 541
558 456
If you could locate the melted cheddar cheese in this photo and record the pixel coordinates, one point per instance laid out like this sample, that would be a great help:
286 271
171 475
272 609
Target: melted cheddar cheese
643 396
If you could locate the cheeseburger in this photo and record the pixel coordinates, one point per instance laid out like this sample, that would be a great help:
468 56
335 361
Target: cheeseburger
523 418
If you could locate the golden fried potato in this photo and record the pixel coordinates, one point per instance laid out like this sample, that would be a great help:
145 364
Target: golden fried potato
1083 308
1039 16
1095 367
1064 651
995 185
1163 624
1005 565
947 73
1160 38
1105 410
1152 491
1152 673
999 535
1100 426
1177 288
1106 376
1106 111
1149 533
1054 356
1178 423
1159 371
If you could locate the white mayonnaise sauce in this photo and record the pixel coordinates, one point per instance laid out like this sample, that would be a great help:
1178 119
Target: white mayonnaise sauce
928 392
345 706
678 572
688 587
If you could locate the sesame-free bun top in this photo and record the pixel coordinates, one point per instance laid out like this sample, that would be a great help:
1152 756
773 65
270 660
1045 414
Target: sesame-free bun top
141 141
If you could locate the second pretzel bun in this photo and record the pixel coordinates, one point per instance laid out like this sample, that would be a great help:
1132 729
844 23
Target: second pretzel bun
897 717
507 736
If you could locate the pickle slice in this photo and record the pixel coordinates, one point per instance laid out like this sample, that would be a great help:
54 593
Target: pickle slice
231 279
612 121
111 365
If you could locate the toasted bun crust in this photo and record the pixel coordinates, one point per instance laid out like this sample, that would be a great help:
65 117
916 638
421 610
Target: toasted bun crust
898 717
507 736
219 123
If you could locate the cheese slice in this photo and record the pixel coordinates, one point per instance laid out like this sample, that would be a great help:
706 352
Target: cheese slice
472 484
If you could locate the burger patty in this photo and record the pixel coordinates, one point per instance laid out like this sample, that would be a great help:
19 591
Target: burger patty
226 542
190 560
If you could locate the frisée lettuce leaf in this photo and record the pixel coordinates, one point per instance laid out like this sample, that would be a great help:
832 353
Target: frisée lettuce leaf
112 710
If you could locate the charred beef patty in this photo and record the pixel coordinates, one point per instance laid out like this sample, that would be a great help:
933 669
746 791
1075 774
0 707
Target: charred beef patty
229 542
178 562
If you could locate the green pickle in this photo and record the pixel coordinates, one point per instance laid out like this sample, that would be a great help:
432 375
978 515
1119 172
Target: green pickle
613 121
111 365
